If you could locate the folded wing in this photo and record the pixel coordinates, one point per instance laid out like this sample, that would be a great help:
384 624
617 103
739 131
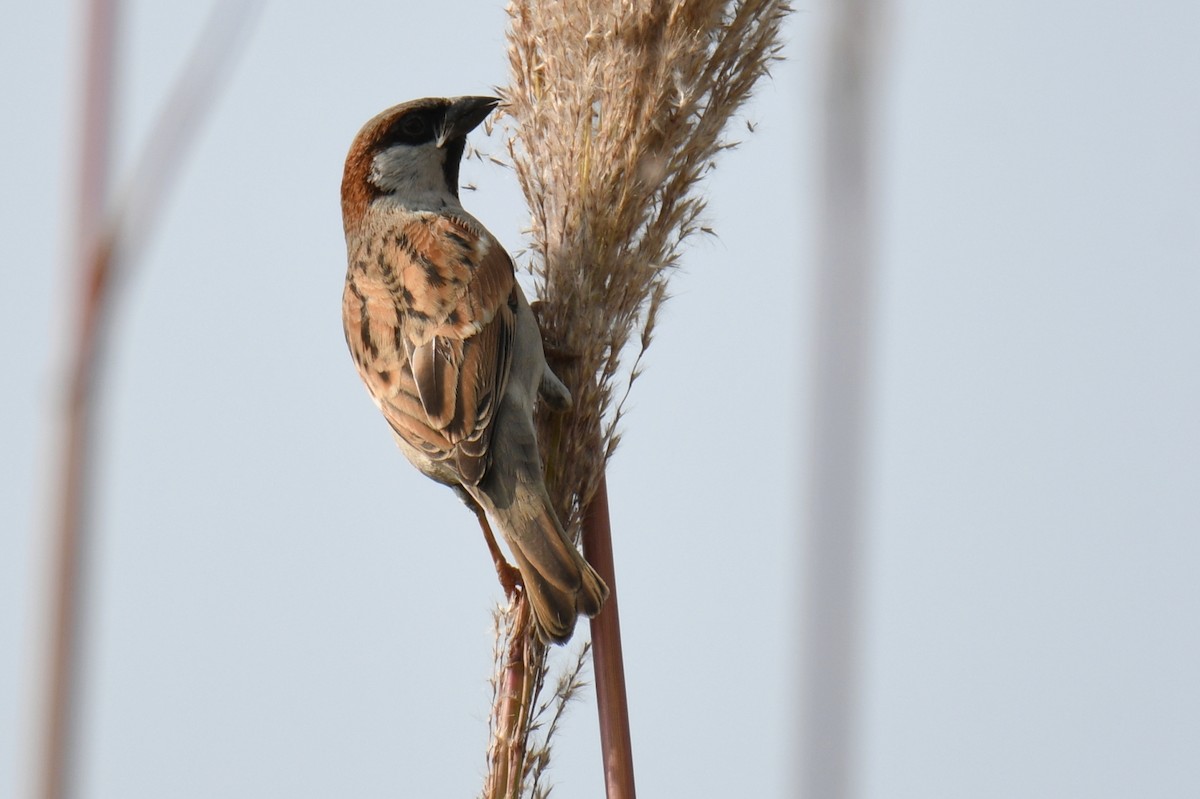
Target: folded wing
429 318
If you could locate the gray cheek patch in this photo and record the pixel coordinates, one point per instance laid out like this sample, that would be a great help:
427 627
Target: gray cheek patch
406 169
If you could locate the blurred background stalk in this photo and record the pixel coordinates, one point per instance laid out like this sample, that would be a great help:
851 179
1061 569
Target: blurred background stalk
89 258
834 537
106 238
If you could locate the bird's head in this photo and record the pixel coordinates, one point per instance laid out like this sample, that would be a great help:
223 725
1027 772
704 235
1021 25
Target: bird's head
411 153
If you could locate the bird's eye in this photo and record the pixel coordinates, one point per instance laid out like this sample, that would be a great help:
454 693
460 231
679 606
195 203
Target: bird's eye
414 127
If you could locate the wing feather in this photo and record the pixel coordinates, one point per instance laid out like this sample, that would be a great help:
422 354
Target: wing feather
428 315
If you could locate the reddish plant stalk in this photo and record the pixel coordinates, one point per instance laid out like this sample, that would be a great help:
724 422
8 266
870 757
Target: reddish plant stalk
514 699
608 662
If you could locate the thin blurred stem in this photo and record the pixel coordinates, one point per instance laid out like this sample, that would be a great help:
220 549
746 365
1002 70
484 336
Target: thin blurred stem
92 259
102 244
607 660
842 316
96 128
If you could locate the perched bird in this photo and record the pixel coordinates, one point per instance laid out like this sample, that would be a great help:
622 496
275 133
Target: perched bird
448 347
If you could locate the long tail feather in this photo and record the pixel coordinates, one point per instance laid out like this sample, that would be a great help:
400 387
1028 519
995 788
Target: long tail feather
561 585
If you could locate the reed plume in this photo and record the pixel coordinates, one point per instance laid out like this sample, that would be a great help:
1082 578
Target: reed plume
617 111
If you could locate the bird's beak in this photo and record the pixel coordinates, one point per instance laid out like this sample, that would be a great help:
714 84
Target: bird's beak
464 115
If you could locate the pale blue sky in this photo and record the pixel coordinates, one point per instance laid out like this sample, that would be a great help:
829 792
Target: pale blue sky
264 619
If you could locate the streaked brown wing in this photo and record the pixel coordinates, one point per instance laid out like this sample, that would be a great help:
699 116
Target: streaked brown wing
429 319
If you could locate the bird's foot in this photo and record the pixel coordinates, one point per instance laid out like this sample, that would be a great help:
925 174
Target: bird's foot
510 577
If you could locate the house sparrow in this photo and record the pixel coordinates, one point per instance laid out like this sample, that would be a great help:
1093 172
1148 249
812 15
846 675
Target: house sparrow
448 347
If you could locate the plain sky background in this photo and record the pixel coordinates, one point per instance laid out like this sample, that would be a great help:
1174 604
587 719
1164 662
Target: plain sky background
281 606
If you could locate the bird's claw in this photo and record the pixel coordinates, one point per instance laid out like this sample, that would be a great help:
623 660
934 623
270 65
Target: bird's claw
510 578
